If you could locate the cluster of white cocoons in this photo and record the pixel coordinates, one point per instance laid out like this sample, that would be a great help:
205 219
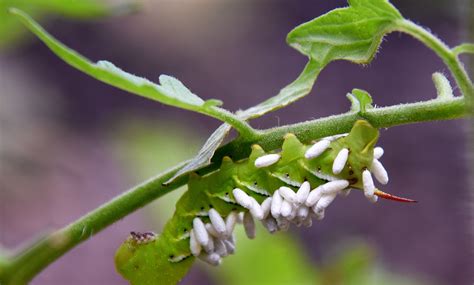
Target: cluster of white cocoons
210 242
340 161
378 171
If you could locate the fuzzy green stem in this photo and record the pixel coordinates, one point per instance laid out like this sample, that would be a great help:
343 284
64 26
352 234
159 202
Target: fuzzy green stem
385 117
24 266
448 56
244 129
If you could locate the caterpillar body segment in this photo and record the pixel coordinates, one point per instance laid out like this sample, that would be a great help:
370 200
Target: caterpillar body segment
267 187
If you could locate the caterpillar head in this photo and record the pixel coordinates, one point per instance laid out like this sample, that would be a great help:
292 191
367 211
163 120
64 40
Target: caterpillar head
140 260
362 138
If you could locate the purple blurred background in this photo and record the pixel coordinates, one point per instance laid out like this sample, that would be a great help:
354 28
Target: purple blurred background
57 125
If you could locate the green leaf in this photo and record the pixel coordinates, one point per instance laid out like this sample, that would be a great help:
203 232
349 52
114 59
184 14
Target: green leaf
203 158
171 91
463 48
213 103
360 99
294 91
353 33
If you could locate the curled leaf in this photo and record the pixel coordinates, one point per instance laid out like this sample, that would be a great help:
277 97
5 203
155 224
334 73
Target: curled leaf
360 99
443 87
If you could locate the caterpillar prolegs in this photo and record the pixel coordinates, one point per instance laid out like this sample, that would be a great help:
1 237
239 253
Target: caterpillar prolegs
292 186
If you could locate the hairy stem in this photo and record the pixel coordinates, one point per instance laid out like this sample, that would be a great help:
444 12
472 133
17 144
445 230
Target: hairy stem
448 56
385 117
244 129
24 266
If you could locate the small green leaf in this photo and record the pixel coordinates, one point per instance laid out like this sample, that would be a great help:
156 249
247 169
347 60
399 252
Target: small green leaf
352 33
203 158
213 103
355 106
463 48
294 91
171 91
175 87
360 99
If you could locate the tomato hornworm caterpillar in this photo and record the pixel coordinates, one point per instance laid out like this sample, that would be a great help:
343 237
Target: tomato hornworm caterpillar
289 187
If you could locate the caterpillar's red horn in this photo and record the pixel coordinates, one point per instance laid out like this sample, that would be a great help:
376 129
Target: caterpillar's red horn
387 196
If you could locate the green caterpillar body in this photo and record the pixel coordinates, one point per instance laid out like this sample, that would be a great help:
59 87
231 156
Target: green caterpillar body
173 248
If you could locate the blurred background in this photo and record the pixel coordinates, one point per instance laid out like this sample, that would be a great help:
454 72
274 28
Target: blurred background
69 143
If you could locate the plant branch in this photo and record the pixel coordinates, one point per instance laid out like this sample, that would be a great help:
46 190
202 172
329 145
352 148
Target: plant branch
449 56
432 110
29 262
244 129
463 48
